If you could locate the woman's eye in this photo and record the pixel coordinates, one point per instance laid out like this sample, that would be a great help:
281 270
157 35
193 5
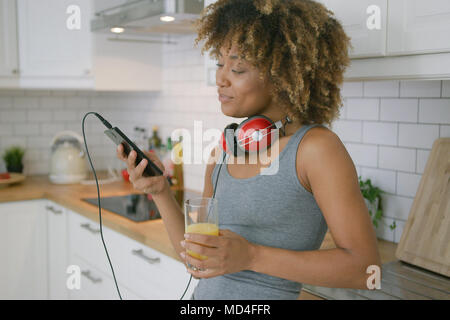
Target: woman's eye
238 72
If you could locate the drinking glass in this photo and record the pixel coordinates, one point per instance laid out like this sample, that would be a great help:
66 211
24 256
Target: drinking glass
201 216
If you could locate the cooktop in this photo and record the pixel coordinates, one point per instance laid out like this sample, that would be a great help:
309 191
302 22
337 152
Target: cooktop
137 207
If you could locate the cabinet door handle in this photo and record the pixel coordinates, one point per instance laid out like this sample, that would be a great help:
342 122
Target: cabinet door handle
15 71
88 227
140 254
52 209
87 274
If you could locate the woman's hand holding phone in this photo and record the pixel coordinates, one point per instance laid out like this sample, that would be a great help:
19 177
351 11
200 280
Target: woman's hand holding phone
153 185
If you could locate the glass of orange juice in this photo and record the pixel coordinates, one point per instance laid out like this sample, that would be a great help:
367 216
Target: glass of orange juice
201 216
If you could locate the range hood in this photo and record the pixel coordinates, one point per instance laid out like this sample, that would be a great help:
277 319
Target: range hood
143 18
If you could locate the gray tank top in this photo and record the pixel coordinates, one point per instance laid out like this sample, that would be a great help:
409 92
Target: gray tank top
270 210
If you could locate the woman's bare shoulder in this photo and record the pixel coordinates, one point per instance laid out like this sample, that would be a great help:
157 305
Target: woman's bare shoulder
317 143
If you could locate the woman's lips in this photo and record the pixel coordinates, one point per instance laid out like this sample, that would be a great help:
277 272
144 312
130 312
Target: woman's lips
224 99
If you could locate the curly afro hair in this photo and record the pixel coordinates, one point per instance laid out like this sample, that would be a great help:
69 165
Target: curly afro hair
298 45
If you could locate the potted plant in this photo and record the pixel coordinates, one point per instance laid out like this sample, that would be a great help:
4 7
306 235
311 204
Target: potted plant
372 197
13 159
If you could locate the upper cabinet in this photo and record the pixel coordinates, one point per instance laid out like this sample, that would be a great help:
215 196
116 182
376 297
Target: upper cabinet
364 21
45 44
48 44
9 63
54 43
418 26
396 39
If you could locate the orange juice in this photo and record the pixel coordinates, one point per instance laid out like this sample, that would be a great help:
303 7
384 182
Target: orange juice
202 228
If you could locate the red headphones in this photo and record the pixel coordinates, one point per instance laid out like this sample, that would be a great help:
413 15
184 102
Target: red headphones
252 135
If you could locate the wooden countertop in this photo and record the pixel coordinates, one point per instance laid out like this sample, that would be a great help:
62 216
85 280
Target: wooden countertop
150 233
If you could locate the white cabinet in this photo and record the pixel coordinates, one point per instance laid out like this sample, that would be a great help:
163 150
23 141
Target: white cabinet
40 239
360 21
23 250
54 49
57 250
141 272
9 64
418 26
411 44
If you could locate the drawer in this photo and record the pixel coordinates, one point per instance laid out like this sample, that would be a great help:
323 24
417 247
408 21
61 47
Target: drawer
94 284
152 274
85 241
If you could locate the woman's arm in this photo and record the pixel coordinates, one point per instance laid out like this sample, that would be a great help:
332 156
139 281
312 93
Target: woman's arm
334 183
333 180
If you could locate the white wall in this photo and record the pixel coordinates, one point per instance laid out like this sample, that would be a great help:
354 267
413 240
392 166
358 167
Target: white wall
388 127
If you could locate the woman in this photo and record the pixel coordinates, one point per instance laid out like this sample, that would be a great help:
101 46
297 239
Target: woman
277 59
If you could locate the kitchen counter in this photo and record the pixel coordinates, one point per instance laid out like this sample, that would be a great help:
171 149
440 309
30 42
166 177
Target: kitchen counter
150 233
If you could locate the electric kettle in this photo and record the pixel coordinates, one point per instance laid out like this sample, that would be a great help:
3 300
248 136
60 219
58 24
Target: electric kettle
68 163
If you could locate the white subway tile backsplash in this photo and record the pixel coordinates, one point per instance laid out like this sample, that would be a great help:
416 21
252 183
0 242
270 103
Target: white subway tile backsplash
7 141
363 109
396 207
422 158
25 102
6 129
434 111
401 159
10 116
363 155
383 133
399 110
383 179
444 131
51 102
27 129
352 89
39 115
348 131
38 142
417 135
420 89
76 102
51 128
6 102
66 115
446 89
381 88
407 184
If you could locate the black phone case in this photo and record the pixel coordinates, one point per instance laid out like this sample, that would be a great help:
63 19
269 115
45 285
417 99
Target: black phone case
118 137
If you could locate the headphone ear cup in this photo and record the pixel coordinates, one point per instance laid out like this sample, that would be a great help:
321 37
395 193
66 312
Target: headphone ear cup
253 141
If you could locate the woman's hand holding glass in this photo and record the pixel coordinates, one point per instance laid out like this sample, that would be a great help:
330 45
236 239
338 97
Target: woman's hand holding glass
227 253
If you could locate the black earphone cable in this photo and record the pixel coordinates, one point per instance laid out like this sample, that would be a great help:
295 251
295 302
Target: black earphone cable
107 124
214 195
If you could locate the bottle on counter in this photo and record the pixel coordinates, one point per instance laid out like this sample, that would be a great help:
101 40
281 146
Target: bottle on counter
154 143
178 181
167 159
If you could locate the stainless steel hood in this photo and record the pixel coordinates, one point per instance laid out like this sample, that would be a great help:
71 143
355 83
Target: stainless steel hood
142 17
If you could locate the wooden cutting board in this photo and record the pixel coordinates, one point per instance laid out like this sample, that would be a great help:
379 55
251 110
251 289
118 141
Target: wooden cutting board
425 240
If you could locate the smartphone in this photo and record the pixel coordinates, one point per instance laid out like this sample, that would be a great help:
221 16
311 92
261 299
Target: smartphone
118 137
